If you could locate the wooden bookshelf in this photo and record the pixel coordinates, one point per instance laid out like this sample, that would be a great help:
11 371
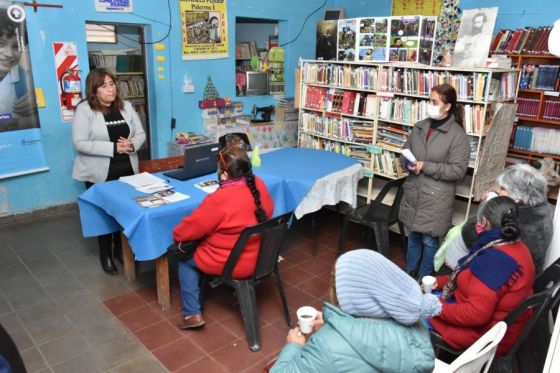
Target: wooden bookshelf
532 155
341 101
539 97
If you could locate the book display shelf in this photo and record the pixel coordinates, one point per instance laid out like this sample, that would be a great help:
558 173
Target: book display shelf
537 131
366 110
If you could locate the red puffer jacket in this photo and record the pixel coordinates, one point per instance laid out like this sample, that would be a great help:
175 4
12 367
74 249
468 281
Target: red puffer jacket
218 221
478 307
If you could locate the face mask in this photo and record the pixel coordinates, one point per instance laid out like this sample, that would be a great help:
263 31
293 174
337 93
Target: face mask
433 111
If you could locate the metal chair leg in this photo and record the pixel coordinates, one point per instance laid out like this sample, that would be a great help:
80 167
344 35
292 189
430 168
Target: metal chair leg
313 231
342 236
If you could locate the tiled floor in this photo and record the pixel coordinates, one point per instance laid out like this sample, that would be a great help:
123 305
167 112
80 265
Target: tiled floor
66 315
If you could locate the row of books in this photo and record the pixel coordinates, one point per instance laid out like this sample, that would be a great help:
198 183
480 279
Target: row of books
131 87
409 111
470 86
118 62
529 40
537 139
389 164
358 152
391 137
551 109
344 129
543 77
473 141
528 107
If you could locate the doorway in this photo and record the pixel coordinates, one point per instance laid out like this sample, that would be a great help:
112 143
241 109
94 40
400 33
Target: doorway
121 49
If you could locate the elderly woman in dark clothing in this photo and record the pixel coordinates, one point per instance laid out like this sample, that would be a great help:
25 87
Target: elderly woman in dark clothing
527 187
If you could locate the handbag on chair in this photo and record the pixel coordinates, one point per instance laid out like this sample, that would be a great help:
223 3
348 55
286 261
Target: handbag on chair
183 250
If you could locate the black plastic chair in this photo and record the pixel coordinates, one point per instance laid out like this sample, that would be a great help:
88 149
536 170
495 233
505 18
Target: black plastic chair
550 278
272 234
378 217
235 137
538 302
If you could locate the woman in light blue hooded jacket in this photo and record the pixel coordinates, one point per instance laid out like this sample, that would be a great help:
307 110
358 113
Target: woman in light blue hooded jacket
374 324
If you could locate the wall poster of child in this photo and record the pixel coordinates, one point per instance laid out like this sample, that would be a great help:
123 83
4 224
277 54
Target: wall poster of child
18 109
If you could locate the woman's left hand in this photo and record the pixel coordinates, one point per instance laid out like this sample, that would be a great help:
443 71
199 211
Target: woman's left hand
416 167
295 336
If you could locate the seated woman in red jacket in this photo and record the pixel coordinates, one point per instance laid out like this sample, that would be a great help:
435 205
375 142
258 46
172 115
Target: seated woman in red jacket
241 200
493 279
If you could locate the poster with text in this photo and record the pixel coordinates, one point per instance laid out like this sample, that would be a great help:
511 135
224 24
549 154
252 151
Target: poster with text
114 6
204 29
422 7
21 143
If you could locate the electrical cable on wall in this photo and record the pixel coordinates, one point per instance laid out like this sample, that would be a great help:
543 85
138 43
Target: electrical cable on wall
304 22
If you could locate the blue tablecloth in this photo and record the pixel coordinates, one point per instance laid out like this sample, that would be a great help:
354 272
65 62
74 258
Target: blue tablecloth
106 207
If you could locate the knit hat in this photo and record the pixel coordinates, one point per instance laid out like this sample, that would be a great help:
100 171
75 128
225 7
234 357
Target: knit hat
370 285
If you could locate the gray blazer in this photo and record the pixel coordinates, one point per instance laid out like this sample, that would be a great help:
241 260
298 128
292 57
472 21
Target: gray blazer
427 203
91 139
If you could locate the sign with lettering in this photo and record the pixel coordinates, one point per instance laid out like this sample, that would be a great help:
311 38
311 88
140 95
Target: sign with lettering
119 6
204 29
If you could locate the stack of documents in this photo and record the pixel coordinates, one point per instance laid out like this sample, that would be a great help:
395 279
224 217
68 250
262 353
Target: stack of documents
145 182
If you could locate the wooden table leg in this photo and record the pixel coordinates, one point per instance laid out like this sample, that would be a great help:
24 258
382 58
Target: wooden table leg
128 259
162 281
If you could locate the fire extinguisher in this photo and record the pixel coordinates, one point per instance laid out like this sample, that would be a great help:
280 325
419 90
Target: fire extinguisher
71 85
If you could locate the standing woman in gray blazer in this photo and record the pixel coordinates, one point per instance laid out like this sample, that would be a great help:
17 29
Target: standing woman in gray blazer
106 132
441 148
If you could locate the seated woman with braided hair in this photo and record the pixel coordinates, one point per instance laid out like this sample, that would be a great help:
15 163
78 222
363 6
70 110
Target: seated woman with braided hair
489 282
241 200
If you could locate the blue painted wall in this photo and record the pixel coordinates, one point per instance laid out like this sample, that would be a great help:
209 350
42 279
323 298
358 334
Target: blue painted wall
48 25
56 186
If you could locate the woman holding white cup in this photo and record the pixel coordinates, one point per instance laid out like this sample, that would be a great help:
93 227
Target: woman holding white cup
373 323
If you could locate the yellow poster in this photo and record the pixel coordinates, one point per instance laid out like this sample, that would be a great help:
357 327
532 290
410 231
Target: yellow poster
204 25
420 7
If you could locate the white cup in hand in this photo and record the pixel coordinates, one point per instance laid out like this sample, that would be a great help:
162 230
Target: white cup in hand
428 283
306 315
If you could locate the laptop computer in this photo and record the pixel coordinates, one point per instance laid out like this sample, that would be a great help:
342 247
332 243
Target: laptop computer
199 160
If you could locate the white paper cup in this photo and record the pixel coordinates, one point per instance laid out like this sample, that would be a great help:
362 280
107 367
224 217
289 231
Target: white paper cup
428 283
306 315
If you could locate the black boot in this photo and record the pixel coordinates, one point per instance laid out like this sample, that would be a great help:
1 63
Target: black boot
105 256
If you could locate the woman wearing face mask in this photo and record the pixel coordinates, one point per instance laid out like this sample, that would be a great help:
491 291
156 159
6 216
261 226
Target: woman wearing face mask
442 150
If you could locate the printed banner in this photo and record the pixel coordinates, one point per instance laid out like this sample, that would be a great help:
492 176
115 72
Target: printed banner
67 77
422 7
118 6
21 144
204 25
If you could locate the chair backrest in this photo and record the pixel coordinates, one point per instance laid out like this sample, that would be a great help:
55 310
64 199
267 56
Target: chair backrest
479 356
231 137
548 279
394 212
163 164
538 303
272 234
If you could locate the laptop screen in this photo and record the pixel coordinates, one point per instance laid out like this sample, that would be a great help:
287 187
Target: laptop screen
200 160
